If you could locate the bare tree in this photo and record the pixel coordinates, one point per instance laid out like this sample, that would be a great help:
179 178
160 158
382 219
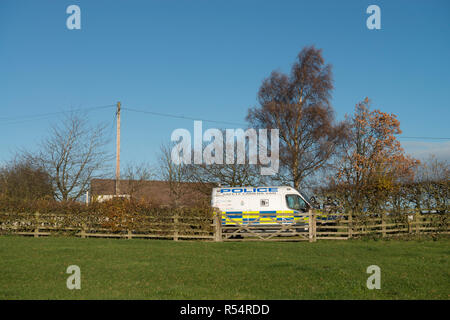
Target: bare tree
298 106
136 176
73 154
432 184
207 176
231 175
174 174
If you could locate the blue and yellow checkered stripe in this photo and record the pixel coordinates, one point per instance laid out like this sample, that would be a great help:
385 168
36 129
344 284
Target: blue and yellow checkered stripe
263 217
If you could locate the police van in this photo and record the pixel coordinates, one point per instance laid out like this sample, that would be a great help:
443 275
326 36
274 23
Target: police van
261 205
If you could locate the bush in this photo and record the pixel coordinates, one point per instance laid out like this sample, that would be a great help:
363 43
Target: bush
114 215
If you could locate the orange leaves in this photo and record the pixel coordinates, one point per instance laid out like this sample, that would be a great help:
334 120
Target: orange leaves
374 161
114 215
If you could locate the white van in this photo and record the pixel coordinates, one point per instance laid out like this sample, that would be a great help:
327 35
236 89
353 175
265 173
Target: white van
260 205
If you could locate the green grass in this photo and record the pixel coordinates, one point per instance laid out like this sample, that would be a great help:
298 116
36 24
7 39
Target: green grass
152 269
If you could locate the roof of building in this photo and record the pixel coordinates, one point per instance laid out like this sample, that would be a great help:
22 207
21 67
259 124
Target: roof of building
157 192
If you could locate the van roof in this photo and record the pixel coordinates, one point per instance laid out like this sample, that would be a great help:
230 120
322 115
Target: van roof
304 196
249 187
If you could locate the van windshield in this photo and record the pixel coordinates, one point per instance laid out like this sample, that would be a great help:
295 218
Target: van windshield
306 197
294 202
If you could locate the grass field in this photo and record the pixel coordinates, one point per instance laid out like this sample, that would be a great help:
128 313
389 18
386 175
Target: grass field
152 269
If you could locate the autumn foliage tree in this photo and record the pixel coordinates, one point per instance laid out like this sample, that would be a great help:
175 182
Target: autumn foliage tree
298 105
373 162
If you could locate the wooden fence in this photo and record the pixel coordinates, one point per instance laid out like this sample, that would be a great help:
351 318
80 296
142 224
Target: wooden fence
173 226
310 227
346 226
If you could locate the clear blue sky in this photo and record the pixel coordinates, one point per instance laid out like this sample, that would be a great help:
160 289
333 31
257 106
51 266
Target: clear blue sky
206 59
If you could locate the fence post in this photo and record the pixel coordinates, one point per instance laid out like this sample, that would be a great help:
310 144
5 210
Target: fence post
175 225
129 235
36 230
310 225
409 223
314 226
417 221
83 231
218 226
350 224
383 225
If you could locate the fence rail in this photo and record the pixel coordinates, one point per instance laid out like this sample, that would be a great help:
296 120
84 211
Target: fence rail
347 226
173 227
309 226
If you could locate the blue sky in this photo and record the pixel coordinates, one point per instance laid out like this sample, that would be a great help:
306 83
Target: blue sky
207 59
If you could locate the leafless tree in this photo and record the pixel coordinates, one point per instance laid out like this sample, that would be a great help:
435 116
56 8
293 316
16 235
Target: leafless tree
231 175
298 106
432 184
73 154
207 176
174 174
135 176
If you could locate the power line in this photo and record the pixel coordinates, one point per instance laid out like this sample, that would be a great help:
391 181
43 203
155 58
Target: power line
182 117
241 124
22 121
110 127
425 138
43 116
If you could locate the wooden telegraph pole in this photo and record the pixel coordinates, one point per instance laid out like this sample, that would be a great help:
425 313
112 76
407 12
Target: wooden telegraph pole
118 150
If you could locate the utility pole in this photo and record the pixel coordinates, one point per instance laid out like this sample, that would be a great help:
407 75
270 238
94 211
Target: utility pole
118 150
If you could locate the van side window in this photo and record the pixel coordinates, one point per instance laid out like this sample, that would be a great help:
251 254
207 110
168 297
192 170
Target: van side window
294 202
